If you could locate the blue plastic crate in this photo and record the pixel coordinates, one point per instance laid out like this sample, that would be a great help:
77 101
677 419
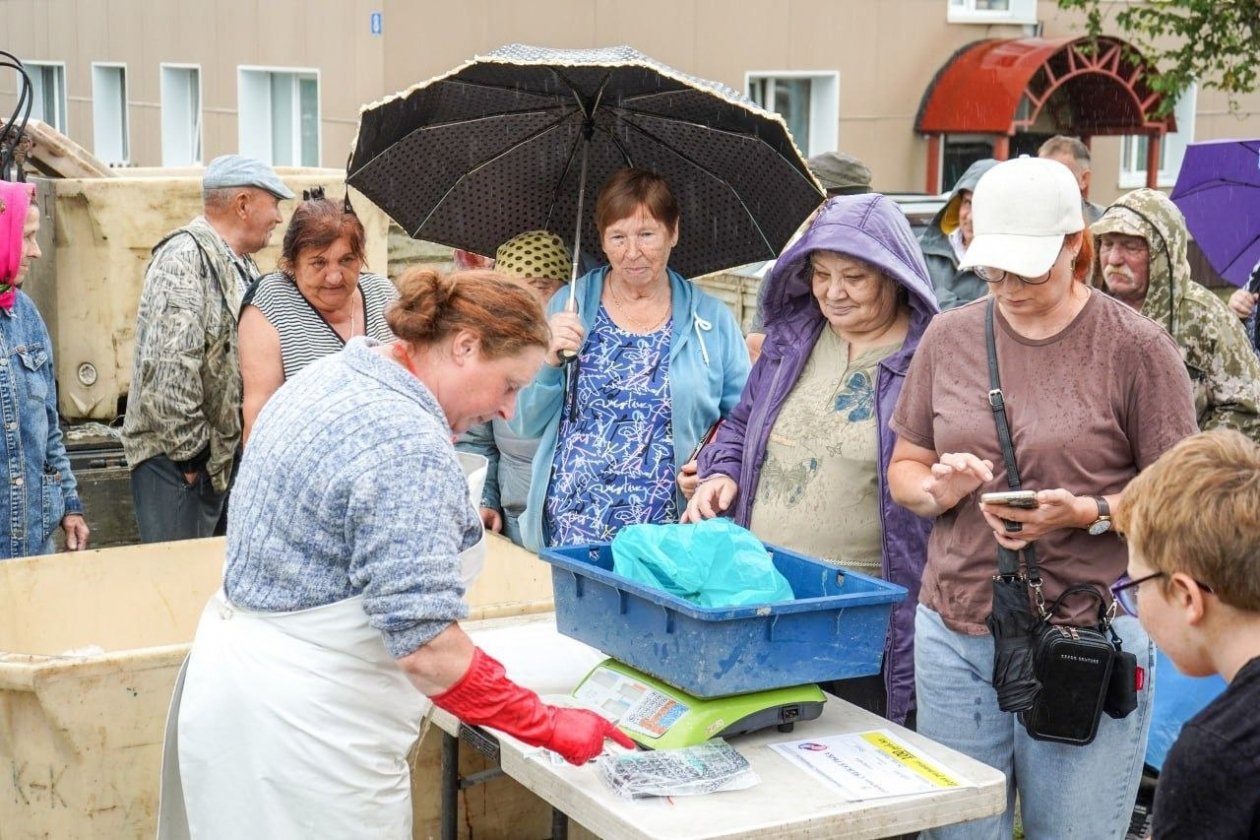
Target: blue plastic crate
834 629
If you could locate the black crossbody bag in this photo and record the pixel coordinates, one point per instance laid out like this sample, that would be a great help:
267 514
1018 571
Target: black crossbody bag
1082 670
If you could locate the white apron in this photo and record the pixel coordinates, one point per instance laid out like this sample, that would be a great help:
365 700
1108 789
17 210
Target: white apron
294 725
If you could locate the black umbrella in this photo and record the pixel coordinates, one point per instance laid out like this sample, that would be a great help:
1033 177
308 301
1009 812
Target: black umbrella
1011 624
513 140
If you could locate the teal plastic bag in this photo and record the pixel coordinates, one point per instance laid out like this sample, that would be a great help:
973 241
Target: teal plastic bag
714 563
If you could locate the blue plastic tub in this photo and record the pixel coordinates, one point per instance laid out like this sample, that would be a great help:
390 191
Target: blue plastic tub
834 629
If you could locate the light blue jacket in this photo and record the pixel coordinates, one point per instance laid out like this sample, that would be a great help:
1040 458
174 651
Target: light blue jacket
708 364
511 460
40 488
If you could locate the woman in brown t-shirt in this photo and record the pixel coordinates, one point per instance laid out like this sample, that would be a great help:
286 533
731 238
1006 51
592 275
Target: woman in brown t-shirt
1093 395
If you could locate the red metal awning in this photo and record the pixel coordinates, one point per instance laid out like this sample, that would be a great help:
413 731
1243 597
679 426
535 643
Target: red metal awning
1001 86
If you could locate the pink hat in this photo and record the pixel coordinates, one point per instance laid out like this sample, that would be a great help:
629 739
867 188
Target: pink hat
14 201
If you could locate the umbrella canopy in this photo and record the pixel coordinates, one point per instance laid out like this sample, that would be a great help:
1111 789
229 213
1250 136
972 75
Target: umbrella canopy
500 145
1218 191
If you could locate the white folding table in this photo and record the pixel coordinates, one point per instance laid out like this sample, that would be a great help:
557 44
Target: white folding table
790 803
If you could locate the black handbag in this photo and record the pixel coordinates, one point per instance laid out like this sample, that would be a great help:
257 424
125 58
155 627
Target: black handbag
1059 678
1074 665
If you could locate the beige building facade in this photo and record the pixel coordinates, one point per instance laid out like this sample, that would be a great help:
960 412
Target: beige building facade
177 82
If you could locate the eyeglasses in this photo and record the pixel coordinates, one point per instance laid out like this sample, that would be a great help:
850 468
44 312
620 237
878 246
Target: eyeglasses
994 276
1125 590
1130 247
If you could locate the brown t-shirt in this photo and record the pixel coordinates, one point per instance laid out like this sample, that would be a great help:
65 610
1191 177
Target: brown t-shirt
1088 408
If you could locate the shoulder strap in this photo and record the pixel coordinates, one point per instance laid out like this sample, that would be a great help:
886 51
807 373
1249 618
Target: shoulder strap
1008 561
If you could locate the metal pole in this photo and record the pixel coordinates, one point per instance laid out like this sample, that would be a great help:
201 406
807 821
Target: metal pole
450 786
577 234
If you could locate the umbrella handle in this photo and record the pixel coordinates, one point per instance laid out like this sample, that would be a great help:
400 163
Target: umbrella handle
570 306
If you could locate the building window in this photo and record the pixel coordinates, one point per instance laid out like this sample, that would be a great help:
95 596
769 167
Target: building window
109 113
1171 150
959 152
808 102
279 116
991 11
181 115
48 86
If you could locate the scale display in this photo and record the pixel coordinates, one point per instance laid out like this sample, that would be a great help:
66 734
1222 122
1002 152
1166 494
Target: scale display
658 716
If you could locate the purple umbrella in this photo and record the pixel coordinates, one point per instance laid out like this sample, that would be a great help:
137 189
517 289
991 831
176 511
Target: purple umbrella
1218 190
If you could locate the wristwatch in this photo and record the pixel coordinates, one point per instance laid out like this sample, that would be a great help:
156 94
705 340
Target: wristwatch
1102 524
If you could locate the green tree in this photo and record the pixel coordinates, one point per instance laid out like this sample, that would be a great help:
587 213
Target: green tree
1213 42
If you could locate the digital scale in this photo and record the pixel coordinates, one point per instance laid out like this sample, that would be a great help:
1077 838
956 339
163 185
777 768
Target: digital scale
658 716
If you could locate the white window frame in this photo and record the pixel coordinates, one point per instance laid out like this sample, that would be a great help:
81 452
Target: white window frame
61 120
105 122
197 131
824 106
254 134
1173 147
965 11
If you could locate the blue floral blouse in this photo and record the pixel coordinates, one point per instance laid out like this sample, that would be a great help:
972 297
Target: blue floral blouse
614 462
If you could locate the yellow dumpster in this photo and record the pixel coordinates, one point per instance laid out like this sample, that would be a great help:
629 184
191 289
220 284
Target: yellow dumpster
89 648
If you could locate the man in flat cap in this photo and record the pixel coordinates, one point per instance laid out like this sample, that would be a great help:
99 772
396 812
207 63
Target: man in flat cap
183 422
841 174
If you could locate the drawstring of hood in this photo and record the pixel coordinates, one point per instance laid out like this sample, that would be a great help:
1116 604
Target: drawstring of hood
702 326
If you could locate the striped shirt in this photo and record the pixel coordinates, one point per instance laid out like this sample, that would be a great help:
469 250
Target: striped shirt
304 333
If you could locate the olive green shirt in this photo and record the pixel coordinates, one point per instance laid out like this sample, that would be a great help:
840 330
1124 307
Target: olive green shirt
819 488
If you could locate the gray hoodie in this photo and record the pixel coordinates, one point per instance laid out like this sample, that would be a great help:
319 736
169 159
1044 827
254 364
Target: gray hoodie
952 287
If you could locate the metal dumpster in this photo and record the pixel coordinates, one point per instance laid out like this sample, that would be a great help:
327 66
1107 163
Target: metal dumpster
89 647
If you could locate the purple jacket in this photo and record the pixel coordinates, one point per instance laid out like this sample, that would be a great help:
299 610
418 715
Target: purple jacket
872 228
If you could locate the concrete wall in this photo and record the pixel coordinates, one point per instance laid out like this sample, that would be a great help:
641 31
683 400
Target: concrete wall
885 51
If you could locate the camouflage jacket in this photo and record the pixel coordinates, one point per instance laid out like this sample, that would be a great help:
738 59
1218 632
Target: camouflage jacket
1224 372
185 398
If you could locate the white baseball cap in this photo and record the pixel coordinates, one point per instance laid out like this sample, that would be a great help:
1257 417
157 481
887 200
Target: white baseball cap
1020 211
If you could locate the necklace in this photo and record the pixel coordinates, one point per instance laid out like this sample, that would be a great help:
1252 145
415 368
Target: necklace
651 325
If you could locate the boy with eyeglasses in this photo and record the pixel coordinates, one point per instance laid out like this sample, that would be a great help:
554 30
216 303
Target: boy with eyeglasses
1192 520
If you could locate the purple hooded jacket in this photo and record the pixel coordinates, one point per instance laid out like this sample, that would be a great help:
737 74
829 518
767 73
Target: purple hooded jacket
872 228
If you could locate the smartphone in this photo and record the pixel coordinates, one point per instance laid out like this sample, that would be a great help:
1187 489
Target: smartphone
1026 499
708 436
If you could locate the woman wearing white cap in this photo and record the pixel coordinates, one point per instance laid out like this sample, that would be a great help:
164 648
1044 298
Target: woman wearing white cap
1092 395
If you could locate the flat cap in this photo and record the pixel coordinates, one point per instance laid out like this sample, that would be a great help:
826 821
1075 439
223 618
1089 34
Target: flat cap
238 171
841 174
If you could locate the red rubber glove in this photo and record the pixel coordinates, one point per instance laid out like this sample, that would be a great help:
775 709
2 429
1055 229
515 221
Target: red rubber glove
485 695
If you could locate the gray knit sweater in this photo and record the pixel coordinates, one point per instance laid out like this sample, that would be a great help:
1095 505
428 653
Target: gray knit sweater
350 486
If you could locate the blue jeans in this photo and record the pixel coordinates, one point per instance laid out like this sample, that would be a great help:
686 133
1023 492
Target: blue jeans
512 527
1064 790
